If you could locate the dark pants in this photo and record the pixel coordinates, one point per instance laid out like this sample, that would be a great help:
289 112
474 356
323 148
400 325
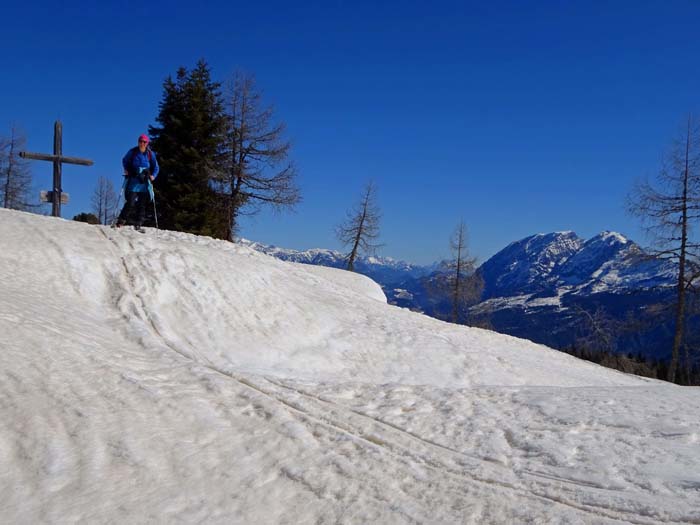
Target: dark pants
134 205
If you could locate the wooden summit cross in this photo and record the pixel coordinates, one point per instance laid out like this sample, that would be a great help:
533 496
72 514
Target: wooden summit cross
58 160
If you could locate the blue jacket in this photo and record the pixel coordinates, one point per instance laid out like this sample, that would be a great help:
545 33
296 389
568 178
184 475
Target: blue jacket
133 162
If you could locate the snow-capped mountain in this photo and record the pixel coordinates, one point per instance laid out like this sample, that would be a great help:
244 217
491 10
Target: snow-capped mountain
540 287
528 265
562 262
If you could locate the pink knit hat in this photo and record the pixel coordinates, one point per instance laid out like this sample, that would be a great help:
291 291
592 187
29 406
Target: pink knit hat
145 138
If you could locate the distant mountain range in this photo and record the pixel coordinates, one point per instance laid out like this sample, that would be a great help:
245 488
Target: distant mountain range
539 287
386 271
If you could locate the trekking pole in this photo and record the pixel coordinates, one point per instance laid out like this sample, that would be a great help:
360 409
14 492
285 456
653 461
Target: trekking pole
115 212
155 213
153 198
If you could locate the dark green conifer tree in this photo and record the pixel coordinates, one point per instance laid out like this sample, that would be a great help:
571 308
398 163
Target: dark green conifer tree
90 218
188 142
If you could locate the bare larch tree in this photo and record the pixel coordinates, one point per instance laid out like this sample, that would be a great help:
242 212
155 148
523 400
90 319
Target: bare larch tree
104 201
669 210
256 170
463 284
599 331
360 229
16 178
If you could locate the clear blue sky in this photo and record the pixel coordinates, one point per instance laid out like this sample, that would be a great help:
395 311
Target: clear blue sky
520 117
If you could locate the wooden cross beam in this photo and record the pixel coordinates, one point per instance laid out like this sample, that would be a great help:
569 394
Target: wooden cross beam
58 160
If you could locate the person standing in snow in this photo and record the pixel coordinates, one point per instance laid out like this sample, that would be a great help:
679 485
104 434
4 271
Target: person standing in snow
140 169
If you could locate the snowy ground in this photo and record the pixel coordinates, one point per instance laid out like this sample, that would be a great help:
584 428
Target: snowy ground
171 378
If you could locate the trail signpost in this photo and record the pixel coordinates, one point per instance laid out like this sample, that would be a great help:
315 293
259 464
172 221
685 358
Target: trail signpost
56 195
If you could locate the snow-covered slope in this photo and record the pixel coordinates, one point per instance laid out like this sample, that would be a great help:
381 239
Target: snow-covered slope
166 377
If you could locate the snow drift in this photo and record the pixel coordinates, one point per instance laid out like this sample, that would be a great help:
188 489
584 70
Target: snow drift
167 377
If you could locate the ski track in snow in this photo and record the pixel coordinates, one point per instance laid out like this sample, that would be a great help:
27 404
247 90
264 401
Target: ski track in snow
172 378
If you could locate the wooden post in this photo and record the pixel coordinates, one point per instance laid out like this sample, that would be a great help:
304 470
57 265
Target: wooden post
58 160
57 151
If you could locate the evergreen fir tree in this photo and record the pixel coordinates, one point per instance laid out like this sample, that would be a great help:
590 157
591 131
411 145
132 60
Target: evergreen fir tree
188 142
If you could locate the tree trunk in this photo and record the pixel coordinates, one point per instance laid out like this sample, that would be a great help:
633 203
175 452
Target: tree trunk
456 291
353 253
8 181
680 300
358 237
232 203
